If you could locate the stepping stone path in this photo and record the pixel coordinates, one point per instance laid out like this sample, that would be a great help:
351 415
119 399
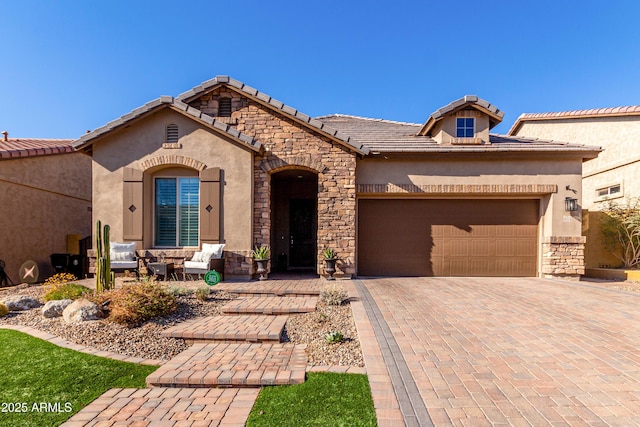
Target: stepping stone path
243 346
217 379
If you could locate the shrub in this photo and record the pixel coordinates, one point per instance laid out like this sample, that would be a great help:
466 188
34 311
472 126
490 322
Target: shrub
333 337
333 294
60 279
135 303
202 293
3 310
65 291
621 231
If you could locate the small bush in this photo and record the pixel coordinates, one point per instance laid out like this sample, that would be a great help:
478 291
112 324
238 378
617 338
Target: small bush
60 279
136 303
202 293
3 310
333 294
64 291
180 292
333 337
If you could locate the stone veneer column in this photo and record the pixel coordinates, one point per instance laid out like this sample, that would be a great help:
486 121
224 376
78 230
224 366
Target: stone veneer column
563 257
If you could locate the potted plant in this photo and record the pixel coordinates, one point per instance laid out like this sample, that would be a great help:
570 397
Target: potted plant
261 256
330 258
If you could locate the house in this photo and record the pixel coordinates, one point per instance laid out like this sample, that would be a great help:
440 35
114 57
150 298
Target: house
614 176
45 198
226 163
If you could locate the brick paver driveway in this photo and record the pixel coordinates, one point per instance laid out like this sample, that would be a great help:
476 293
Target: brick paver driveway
494 351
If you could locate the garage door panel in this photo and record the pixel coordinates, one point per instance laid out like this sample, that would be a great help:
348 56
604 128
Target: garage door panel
447 237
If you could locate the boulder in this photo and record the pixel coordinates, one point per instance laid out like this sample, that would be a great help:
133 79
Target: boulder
55 308
20 303
81 310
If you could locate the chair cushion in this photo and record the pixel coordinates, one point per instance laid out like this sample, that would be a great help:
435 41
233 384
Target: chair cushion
196 265
215 248
124 264
122 251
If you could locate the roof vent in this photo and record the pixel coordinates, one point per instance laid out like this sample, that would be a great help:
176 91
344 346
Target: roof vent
224 107
6 135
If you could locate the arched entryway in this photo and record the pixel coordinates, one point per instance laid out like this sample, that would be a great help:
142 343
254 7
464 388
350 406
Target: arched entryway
294 220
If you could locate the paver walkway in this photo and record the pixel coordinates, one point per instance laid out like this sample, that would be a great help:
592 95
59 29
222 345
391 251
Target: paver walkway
247 328
270 305
240 365
507 351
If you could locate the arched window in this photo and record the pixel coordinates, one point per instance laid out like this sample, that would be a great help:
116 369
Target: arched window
224 107
172 133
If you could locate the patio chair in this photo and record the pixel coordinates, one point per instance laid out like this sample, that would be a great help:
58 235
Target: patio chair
123 257
210 258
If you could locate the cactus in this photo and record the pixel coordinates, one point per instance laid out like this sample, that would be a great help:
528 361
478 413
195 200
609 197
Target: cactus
105 278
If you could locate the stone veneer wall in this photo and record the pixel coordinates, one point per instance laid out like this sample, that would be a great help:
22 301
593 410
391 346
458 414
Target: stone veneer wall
563 257
292 146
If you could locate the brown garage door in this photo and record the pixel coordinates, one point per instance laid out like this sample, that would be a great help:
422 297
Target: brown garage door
447 237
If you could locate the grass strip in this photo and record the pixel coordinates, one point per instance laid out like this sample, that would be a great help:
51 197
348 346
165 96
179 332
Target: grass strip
325 399
43 385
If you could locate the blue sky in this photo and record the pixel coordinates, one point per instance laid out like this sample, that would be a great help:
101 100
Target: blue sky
69 66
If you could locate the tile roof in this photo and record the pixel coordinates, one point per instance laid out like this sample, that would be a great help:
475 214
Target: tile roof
164 102
32 147
576 114
274 104
384 136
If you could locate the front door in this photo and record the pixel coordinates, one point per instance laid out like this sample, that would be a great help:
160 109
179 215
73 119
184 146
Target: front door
302 239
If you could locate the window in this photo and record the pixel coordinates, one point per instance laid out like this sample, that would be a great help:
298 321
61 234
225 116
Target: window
176 211
465 128
613 190
172 133
224 107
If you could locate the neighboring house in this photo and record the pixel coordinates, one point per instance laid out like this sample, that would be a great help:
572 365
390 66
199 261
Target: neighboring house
614 176
45 195
225 163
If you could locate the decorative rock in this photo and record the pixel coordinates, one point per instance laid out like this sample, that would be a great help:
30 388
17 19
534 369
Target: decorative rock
55 308
20 303
81 310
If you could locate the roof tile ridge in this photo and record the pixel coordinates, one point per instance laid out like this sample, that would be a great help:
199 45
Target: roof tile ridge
625 109
367 118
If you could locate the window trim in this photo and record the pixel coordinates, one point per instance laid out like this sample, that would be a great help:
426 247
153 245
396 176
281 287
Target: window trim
154 211
465 128
610 195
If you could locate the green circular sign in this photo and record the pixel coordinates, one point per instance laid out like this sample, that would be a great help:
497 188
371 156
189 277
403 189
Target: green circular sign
212 278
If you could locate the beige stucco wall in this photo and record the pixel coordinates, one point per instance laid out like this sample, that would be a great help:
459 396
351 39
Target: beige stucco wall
618 163
42 199
143 141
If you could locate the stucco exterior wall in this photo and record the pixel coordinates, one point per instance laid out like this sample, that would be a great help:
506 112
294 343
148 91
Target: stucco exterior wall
42 199
141 143
618 163
445 130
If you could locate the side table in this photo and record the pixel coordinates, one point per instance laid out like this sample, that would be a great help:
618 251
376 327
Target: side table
163 269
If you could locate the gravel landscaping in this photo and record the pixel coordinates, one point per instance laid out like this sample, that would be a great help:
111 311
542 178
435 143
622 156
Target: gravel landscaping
145 341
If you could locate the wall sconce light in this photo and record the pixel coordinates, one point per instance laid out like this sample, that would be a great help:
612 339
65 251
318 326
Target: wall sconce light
570 205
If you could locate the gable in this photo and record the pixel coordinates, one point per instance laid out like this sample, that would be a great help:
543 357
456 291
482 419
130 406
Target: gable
246 101
450 124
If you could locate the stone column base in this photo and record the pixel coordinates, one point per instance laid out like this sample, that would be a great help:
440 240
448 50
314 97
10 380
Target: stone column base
563 257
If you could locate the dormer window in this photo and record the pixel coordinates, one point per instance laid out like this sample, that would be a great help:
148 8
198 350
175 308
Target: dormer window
172 133
224 107
465 127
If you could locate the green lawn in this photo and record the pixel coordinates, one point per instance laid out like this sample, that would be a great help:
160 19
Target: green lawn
34 372
325 399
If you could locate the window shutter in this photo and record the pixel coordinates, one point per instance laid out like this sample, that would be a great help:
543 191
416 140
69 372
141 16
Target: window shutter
210 205
132 207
